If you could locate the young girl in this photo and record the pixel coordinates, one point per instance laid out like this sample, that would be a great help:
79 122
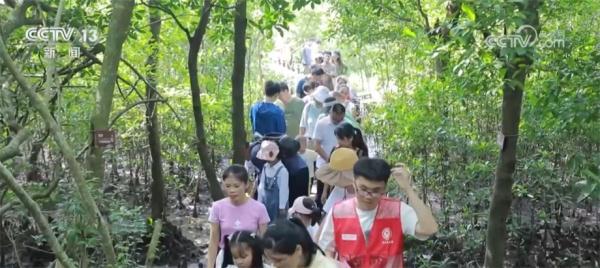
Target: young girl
243 249
306 210
235 212
273 188
351 138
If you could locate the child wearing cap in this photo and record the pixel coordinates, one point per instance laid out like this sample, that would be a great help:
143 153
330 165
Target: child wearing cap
306 210
273 188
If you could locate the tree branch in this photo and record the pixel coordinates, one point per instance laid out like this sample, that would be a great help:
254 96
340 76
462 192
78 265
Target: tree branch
131 106
46 194
19 17
398 17
12 149
170 13
36 212
420 8
149 85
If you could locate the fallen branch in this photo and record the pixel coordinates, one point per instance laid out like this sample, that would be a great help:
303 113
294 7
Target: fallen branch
36 212
87 200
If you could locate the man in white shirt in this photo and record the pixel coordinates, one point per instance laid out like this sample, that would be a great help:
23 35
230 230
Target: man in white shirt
368 230
311 112
325 139
324 135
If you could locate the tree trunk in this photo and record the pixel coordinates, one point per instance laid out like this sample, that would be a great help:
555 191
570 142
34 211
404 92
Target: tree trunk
117 33
152 124
201 145
237 83
516 73
87 201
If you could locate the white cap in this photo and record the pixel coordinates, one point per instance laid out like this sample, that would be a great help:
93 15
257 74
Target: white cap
320 94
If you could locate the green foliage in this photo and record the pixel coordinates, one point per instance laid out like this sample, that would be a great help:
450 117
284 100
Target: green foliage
128 228
444 124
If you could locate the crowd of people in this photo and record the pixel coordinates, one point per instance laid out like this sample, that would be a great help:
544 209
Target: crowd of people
270 216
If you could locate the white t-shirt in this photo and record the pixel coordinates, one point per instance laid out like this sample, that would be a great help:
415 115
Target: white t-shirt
338 194
309 156
408 218
324 133
313 230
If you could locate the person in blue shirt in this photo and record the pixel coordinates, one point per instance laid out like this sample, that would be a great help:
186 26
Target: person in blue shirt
300 87
265 116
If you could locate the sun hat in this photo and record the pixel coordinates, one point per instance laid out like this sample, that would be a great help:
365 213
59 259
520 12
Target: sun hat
320 94
338 171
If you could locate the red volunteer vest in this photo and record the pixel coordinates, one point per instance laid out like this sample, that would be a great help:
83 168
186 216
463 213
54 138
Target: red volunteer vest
385 246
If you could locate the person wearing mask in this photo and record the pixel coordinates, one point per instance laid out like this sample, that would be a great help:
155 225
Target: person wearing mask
235 212
287 244
368 230
311 112
265 116
292 107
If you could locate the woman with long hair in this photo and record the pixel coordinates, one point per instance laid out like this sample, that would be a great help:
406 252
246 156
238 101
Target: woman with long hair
287 244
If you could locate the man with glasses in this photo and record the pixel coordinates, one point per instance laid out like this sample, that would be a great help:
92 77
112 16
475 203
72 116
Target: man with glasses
367 230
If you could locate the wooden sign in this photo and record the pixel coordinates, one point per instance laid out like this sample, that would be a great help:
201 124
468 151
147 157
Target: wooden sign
104 138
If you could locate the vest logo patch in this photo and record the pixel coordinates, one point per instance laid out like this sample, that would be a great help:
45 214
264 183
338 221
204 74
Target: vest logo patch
349 237
386 234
